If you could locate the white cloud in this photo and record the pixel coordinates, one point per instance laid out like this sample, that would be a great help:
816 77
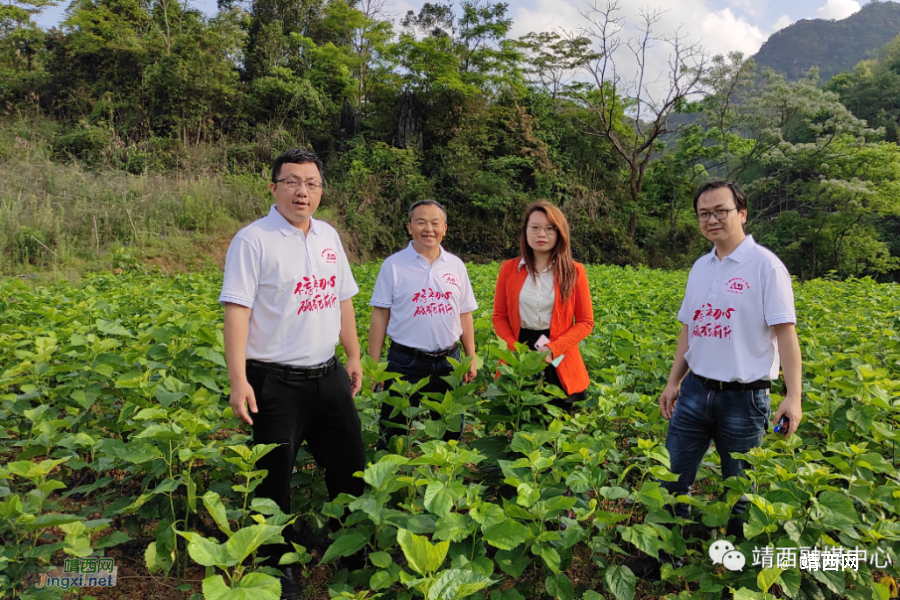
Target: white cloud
723 32
546 15
838 9
752 8
782 22
717 31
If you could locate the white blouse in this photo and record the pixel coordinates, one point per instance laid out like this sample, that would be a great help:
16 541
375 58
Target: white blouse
536 299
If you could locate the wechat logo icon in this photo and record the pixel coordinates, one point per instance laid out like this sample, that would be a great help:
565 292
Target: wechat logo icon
722 551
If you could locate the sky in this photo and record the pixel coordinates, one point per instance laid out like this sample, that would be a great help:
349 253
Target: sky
719 26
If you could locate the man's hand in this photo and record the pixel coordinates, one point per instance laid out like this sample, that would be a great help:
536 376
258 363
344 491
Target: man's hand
241 397
472 374
667 400
790 408
354 370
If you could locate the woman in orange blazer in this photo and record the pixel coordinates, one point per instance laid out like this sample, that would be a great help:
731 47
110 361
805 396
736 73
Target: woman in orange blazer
545 292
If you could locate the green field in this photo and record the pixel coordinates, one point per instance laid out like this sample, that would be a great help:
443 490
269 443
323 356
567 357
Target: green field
116 439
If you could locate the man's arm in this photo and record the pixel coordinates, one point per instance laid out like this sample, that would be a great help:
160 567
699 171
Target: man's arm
237 328
378 331
350 341
679 370
792 365
468 342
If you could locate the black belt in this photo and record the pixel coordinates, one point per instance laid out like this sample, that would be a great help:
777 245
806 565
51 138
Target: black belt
437 356
290 372
712 384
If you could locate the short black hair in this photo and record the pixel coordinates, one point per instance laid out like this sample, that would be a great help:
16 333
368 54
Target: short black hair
426 202
296 156
740 198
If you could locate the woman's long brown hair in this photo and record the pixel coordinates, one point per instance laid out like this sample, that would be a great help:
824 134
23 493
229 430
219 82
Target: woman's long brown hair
560 256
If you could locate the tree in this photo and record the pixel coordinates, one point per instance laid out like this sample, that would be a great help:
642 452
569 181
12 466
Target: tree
648 108
819 180
17 14
553 60
871 90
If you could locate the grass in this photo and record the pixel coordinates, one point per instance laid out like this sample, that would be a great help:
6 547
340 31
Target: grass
59 220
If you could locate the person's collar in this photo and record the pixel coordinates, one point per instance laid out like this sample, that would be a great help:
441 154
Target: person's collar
522 264
285 227
739 253
413 254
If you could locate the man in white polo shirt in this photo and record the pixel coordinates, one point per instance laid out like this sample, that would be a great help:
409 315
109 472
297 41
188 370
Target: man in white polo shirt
423 300
288 295
738 325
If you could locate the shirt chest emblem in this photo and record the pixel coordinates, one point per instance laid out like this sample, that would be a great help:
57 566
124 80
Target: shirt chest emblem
450 279
329 256
737 285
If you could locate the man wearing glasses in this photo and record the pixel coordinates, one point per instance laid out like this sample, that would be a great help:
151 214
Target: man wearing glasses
738 324
423 299
288 295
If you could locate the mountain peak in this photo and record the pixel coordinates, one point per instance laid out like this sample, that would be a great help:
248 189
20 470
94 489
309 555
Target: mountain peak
833 46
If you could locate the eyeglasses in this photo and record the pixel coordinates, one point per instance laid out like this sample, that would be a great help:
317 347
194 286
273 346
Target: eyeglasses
294 184
721 214
536 229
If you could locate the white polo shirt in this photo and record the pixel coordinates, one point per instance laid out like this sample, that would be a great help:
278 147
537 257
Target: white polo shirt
730 307
426 300
294 285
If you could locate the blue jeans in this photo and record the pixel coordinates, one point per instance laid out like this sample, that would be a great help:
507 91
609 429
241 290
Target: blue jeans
414 369
735 420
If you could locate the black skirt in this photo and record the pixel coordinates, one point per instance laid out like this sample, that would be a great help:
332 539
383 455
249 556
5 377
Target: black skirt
529 337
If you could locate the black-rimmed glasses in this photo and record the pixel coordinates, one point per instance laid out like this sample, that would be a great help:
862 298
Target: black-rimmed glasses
721 214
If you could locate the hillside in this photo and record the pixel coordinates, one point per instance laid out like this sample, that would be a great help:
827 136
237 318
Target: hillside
833 46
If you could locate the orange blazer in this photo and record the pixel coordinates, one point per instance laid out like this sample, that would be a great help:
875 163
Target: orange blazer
572 321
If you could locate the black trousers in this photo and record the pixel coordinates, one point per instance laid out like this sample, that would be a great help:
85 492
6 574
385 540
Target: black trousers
320 412
413 370
529 337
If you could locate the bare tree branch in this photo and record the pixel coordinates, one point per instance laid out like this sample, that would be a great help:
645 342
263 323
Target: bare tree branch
617 99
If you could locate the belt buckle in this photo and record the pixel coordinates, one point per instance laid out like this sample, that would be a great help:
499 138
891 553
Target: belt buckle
318 371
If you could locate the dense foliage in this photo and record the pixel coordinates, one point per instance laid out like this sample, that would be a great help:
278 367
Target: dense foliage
116 431
442 103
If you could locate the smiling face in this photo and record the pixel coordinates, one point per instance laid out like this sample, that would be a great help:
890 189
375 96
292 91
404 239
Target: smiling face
297 205
540 232
427 227
728 230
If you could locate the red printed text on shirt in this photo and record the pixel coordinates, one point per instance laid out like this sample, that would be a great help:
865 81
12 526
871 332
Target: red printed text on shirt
432 302
317 303
712 322
309 286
